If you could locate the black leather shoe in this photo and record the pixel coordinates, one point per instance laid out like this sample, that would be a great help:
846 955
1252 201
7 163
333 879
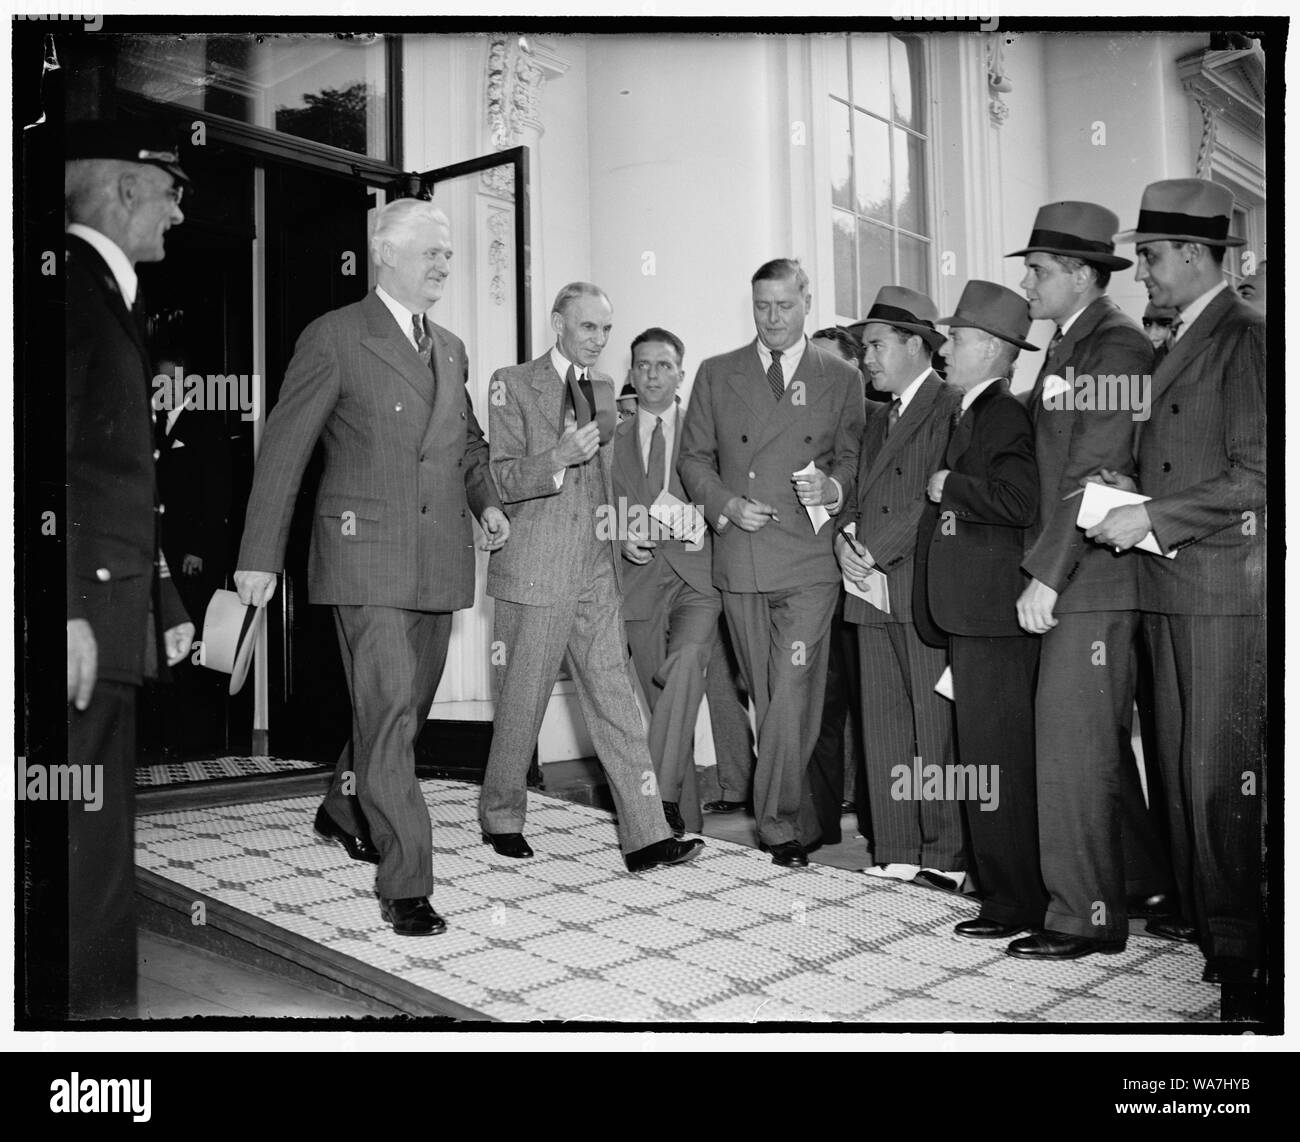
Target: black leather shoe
1173 928
412 916
1227 969
936 880
358 849
1146 907
663 852
1059 946
673 816
723 806
981 929
508 844
788 854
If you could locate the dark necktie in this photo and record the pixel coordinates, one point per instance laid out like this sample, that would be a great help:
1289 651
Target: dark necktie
1057 337
655 468
895 411
775 377
423 338
140 315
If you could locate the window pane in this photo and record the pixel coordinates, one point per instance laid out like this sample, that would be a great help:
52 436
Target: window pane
875 261
914 263
837 50
871 166
846 303
909 181
907 80
316 87
841 149
871 73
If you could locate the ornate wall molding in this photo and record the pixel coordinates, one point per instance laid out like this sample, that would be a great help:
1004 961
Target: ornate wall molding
500 225
996 75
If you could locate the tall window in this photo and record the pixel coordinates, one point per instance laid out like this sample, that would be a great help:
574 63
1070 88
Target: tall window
879 139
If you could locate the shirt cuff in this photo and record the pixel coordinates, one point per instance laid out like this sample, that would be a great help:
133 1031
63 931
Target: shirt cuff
834 507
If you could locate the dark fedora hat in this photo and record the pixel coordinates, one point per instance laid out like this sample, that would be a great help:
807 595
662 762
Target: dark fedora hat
1184 210
994 309
905 309
127 141
1080 230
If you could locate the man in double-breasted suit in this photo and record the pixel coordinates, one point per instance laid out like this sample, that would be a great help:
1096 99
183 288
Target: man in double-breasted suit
987 494
771 436
125 621
392 545
670 605
1099 845
557 585
902 717
1201 460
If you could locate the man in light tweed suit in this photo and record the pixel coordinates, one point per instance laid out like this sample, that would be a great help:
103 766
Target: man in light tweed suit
551 424
392 545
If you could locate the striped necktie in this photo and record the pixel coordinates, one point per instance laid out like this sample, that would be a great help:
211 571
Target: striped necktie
775 377
895 411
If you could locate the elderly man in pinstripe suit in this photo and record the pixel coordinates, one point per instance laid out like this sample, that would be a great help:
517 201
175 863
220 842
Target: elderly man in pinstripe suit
392 544
1201 460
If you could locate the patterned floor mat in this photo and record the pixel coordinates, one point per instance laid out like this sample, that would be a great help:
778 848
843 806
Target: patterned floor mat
570 935
215 769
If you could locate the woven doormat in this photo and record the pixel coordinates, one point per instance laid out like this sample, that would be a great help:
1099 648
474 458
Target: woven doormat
571 935
215 769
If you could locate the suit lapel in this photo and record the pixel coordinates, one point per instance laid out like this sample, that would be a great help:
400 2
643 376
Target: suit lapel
549 387
1082 327
808 384
964 432
915 413
1189 345
89 257
627 457
390 344
749 383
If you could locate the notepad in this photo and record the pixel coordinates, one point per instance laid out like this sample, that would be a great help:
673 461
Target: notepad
1098 499
684 521
817 513
874 588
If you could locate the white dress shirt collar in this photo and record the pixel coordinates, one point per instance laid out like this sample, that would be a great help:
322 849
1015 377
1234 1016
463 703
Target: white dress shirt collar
561 364
120 265
790 358
972 395
400 313
1197 307
905 397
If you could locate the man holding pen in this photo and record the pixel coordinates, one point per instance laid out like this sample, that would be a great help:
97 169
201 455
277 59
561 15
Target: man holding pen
769 447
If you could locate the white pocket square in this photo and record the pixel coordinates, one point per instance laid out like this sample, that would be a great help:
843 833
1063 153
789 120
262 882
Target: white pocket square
1054 386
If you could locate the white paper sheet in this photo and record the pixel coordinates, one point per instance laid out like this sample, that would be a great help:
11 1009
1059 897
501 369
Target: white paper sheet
817 513
684 521
1098 499
874 588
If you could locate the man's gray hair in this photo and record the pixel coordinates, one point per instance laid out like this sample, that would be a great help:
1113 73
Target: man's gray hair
575 290
89 184
397 219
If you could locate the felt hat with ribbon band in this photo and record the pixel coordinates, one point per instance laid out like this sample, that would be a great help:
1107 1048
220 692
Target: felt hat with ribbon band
128 141
994 309
606 413
1080 230
905 309
229 636
1184 210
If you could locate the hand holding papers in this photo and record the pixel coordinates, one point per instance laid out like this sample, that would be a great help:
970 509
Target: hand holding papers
816 512
684 521
874 588
1100 499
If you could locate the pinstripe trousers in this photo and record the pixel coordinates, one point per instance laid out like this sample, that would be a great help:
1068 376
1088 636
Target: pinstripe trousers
1210 695
393 660
903 718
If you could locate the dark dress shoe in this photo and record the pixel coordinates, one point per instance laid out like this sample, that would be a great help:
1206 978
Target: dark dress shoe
412 916
1228 969
508 844
358 849
788 854
673 816
663 852
981 929
723 806
1144 907
1059 946
1172 928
